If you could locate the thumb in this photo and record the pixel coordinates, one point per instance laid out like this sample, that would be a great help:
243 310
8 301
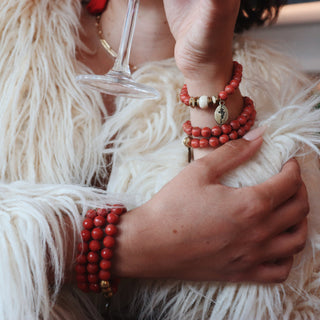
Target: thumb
232 154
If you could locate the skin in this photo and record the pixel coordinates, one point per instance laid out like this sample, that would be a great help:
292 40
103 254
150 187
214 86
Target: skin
220 233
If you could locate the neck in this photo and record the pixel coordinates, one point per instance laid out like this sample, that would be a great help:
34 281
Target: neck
152 38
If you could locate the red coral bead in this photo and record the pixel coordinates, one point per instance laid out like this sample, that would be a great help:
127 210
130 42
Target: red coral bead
111 230
196 131
80 269
214 142
233 135
118 210
247 127
83 247
85 235
92 268
112 218
242 120
104 275
87 223
241 132
106 253
94 245
206 132
188 130
81 277
97 234
99 221
93 257
229 89
195 143
91 214
223 138
95 287
216 131
235 124
108 242
226 128
105 264
234 83
83 286
102 212
81 259
204 143
96 6
223 95
93 278
248 110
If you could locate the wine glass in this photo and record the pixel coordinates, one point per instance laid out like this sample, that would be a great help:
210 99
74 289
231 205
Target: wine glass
118 81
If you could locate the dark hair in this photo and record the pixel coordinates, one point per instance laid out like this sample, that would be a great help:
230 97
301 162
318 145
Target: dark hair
256 13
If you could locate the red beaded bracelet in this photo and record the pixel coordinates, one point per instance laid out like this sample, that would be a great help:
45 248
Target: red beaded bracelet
93 261
205 101
96 6
216 136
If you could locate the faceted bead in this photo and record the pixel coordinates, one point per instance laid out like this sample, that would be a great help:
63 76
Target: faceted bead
233 135
203 102
196 131
204 143
111 230
108 242
214 142
106 253
87 223
235 124
99 221
206 132
92 268
216 131
85 235
102 212
104 275
97 234
93 257
91 214
93 278
81 259
112 218
105 264
94 245
226 128
223 138
195 143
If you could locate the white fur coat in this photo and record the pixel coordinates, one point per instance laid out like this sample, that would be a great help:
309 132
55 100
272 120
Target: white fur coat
52 146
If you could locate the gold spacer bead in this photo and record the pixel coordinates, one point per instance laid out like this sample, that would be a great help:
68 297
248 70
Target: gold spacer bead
187 142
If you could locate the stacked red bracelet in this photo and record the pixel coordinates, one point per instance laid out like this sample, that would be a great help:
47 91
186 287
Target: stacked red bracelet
95 252
205 101
216 136
221 113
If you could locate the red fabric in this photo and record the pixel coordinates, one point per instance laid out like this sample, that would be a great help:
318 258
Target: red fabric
96 6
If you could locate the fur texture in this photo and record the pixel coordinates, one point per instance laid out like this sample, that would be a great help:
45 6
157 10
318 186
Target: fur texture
52 145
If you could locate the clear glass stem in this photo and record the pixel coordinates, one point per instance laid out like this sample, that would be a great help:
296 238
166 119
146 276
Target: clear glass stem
122 61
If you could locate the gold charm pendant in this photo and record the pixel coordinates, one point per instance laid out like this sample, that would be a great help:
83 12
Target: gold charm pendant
221 113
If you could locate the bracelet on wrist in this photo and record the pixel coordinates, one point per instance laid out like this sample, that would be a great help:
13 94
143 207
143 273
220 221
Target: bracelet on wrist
218 135
221 114
93 262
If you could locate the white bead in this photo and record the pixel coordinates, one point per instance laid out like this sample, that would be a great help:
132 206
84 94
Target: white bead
214 99
203 102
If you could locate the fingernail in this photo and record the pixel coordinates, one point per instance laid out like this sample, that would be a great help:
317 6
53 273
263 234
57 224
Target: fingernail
255 133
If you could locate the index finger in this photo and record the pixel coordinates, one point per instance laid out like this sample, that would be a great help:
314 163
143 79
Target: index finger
281 187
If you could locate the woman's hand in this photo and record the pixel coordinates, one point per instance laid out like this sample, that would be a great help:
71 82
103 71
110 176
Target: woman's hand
203 30
197 229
